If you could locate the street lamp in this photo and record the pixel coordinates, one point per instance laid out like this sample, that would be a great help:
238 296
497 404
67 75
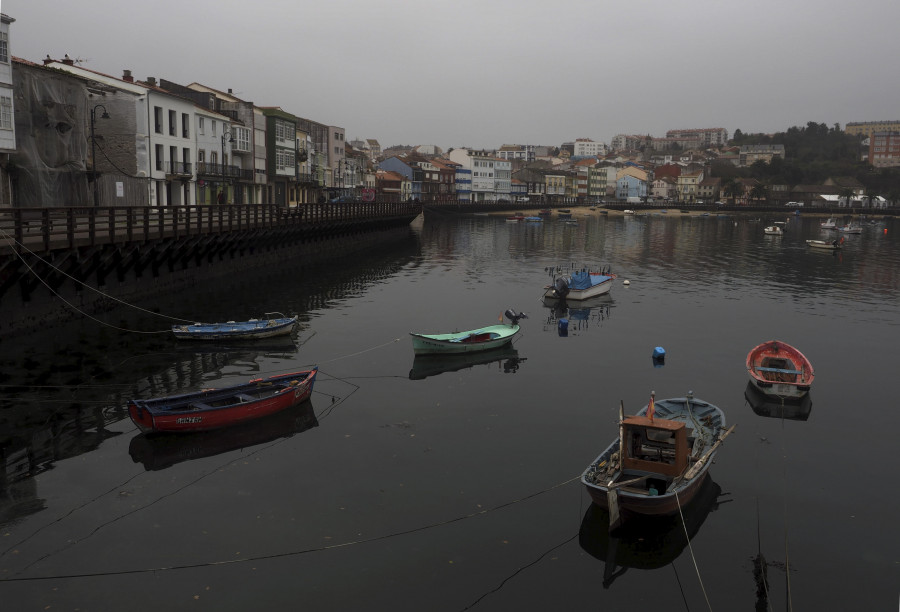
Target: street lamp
105 115
229 135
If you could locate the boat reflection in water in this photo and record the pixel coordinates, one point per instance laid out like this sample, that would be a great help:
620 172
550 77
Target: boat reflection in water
578 316
432 365
160 451
645 542
767 406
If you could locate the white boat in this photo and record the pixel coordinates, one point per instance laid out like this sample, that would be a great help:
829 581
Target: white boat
851 229
829 245
773 230
628 211
829 224
580 285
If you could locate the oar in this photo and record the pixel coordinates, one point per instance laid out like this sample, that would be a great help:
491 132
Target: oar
697 466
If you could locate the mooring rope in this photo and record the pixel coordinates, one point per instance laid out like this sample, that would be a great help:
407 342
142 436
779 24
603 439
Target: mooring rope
691 549
10 241
787 559
292 553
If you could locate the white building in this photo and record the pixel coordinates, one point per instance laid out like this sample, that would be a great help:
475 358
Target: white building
7 112
585 147
483 166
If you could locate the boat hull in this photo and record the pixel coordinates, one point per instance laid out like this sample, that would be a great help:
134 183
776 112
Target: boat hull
707 422
779 370
236 330
212 409
823 244
471 341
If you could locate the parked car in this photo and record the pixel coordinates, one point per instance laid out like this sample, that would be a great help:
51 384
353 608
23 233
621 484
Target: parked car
344 199
798 204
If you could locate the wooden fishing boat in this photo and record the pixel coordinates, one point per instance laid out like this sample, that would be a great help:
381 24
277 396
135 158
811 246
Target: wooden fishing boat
581 285
158 451
481 339
829 245
780 370
216 408
659 460
773 230
274 324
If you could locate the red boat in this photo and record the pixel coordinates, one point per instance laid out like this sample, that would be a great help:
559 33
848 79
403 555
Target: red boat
779 370
216 408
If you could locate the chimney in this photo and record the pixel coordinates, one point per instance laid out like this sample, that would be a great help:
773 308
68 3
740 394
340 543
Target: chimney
151 81
68 61
48 60
126 76
229 91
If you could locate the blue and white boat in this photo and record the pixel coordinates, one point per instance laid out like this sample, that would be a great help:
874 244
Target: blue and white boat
580 285
274 324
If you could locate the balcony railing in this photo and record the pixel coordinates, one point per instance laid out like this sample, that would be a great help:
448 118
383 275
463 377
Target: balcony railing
179 168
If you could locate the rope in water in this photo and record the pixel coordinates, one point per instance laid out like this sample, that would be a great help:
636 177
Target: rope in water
293 553
691 549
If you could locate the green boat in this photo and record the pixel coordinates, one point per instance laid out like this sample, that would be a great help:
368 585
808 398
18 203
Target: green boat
482 339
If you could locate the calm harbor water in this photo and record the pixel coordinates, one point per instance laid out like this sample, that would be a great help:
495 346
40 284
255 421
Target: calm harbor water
411 484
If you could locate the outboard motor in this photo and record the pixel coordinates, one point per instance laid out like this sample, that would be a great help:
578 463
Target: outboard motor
513 317
561 287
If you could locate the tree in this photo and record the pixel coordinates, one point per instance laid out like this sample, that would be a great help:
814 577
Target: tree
759 192
732 188
846 194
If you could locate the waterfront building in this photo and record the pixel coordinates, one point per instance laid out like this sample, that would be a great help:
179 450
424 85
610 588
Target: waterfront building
687 186
7 110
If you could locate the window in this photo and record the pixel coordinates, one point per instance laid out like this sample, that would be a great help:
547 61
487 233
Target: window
185 125
173 122
213 127
159 156
6 113
200 127
157 119
4 47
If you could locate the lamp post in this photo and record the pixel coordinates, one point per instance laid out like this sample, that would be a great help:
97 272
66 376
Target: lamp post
105 115
227 136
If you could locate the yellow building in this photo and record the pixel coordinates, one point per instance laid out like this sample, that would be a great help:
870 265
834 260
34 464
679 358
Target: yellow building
867 128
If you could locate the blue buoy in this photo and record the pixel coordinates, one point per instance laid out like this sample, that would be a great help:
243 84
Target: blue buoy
563 327
659 353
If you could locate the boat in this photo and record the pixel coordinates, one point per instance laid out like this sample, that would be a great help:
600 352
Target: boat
565 211
581 285
481 339
628 211
545 212
427 365
777 408
210 409
851 229
158 451
515 218
273 324
831 223
668 448
534 219
645 543
773 230
780 370
830 245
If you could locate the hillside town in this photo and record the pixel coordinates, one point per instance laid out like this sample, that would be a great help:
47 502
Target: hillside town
71 136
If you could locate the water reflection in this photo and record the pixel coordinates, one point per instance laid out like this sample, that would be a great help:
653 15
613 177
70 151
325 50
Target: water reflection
506 357
581 315
161 451
28 449
645 543
766 406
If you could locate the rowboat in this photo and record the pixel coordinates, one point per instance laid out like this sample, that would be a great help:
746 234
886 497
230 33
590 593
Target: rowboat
773 230
830 245
668 448
158 451
216 408
580 285
645 543
274 324
481 339
780 370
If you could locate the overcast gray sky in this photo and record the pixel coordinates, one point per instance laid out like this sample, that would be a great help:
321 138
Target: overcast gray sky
483 73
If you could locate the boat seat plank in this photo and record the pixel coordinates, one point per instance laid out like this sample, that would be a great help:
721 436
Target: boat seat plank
245 398
779 370
199 406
